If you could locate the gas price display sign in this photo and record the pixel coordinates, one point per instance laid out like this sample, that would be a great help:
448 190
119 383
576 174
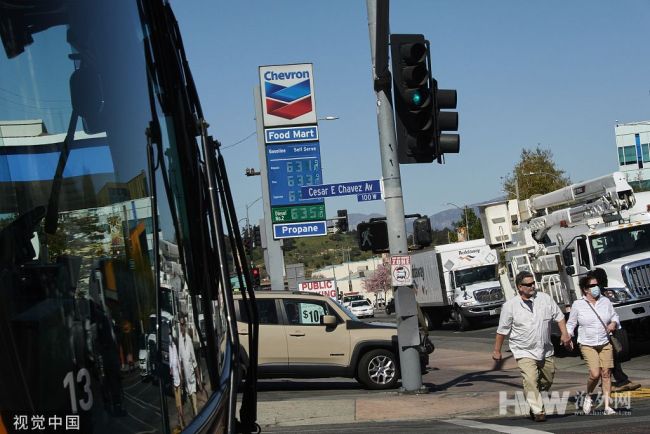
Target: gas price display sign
291 167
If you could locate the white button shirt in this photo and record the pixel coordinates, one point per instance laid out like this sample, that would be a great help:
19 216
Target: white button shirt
590 330
188 361
529 332
174 363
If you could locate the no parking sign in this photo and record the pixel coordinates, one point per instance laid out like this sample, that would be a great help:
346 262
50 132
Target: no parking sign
400 270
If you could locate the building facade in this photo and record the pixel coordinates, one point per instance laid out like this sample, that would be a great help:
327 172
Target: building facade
633 148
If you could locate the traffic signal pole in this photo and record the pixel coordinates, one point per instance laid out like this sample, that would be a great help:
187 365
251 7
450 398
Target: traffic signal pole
407 321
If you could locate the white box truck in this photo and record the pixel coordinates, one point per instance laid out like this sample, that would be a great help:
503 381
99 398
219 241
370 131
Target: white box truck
458 281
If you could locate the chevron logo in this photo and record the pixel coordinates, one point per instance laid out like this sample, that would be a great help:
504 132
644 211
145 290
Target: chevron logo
288 102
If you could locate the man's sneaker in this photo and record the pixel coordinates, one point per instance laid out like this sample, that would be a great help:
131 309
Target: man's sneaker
625 387
540 417
586 406
609 411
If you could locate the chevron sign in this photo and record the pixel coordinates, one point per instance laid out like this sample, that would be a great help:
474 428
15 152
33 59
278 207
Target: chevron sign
288 94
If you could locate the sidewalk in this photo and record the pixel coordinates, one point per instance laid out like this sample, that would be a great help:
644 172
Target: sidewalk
463 384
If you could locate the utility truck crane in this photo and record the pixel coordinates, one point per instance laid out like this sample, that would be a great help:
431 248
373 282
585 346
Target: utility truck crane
561 235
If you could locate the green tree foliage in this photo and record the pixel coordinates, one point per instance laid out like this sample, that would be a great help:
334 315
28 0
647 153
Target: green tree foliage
534 173
474 223
317 252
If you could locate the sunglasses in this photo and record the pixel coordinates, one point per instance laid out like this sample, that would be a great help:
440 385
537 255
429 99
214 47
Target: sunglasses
592 285
527 285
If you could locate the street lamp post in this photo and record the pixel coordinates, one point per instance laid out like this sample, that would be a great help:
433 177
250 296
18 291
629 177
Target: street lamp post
466 221
248 205
336 285
349 277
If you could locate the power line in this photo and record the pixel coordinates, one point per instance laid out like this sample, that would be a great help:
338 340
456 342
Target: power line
240 141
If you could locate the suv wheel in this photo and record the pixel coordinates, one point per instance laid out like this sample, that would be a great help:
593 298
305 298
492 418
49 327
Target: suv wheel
378 369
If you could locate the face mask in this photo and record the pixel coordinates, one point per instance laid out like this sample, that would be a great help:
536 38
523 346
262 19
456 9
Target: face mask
595 292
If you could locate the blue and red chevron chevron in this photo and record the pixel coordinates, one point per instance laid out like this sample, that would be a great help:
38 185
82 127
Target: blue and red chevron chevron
288 102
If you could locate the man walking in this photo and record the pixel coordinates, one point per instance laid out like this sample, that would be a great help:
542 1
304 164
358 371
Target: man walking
526 320
189 365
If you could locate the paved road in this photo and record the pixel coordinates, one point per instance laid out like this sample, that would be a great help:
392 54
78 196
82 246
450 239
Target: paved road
636 422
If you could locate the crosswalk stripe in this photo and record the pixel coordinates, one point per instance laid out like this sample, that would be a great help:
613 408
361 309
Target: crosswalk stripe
494 427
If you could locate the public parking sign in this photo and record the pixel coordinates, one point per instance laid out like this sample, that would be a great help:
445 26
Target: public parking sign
400 270
323 287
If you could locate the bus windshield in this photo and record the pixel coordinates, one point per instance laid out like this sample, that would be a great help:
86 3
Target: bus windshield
79 292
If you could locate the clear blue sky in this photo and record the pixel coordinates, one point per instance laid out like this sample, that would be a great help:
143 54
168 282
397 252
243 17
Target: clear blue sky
557 73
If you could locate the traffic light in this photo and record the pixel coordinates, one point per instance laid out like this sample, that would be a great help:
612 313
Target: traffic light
373 236
247 241
342 222
422 232
412 98
255 274
444 143
257 236
420 121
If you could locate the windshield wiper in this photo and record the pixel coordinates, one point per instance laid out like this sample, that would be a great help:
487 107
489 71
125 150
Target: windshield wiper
52 214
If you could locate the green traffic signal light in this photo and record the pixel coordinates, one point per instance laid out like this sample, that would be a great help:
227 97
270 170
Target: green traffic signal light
417 98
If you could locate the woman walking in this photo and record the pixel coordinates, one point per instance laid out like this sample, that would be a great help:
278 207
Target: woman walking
596 320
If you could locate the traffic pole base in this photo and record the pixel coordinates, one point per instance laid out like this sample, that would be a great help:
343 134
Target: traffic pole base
423 390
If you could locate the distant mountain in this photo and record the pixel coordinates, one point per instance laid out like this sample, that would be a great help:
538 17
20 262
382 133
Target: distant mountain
440 220
446 218
355 219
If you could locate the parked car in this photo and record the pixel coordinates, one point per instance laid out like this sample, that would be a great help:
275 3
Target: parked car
349 297
307 335
390 306
362 309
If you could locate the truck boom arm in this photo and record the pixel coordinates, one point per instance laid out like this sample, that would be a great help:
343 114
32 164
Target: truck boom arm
598 197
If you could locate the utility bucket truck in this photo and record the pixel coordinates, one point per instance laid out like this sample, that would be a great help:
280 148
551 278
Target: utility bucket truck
457 281
561 235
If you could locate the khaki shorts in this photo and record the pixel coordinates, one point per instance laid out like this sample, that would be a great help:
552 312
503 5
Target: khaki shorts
177 396
599 356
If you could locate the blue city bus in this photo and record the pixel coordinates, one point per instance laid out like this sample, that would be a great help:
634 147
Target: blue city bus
104 156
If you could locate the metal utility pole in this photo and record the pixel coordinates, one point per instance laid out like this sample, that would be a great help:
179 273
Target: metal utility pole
464 210
273 255
407 321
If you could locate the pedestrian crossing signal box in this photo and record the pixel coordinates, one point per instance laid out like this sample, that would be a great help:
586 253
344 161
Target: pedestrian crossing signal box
373 236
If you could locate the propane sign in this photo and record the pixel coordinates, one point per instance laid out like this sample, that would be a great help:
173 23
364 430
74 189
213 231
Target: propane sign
323 287
288 95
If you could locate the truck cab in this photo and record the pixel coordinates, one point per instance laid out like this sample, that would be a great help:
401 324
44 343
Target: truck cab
477 293
623 251
458 282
